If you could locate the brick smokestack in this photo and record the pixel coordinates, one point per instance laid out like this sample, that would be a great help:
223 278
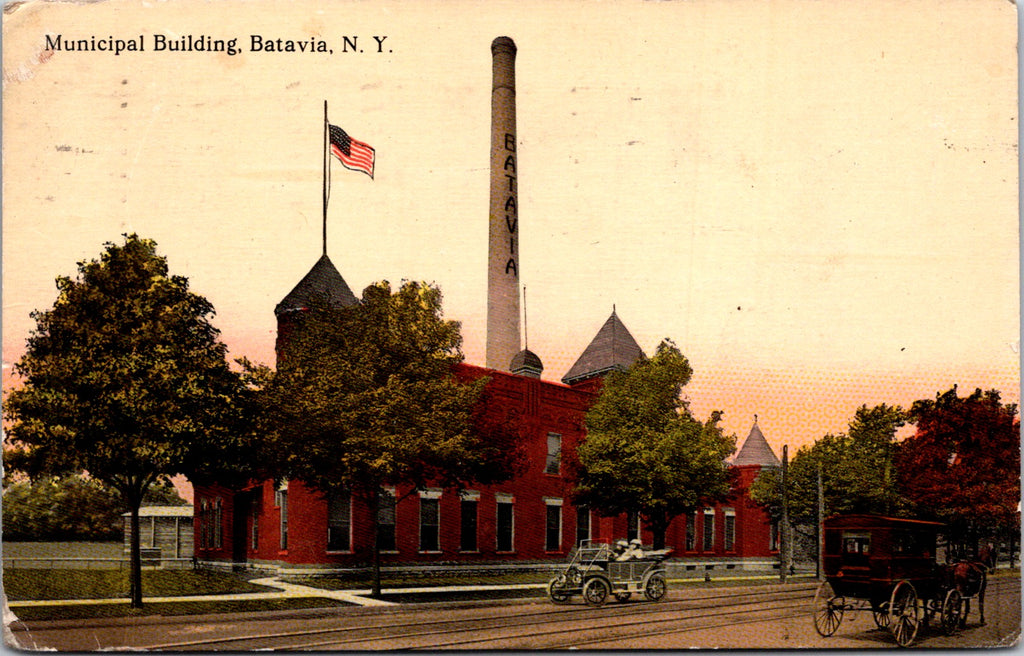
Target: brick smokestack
503 242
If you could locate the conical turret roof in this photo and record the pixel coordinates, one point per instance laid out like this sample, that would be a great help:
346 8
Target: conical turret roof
755 451
612 348
323 281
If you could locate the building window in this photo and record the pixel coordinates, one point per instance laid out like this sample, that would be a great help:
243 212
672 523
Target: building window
468 509
730 529
709 529
281 501
553 525
691 532
386 522
582 524
430 523
339 522
553 463
255 509
218 522
632 525
204 524
505 529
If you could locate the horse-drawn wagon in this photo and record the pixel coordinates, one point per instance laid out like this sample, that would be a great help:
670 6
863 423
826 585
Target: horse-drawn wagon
595 572
888 566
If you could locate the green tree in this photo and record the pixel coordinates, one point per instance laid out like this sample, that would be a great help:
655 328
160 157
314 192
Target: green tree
962 465
71 508
365 398
645 452
857 472
124 378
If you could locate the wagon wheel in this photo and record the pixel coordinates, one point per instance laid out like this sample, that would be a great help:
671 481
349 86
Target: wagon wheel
595 591
904 613
622 596
828 610
880 613
556 590
655 588
952 612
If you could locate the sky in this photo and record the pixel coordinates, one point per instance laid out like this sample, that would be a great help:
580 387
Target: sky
816 201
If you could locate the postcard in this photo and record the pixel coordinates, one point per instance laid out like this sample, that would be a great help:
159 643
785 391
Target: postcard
539 325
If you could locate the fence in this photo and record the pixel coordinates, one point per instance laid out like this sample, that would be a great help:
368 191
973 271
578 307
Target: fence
151 559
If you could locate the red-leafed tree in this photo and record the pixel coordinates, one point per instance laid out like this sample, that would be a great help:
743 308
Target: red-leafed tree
962 466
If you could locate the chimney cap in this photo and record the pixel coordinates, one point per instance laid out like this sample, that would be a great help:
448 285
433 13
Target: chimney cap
503 43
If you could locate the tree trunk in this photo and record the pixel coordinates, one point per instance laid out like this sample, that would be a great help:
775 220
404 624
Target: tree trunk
658 523
135 569
658 530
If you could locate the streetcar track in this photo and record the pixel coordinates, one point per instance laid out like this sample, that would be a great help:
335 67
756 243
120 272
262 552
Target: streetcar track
565 614
795 608
664 632
620 625
800 612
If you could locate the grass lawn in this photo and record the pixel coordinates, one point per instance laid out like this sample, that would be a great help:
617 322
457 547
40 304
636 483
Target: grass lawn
74 612
391 582
30 584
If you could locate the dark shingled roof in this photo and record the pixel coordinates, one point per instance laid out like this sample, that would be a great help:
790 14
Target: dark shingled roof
323 280
612 348
755 451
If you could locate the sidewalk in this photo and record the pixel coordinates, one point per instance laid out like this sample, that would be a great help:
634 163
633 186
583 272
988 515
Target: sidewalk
284 591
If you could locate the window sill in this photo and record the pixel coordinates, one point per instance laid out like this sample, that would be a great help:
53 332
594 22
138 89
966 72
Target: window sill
430 551
331 552
469 551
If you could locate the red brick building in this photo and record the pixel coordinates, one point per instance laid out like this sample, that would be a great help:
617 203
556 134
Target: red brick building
530 518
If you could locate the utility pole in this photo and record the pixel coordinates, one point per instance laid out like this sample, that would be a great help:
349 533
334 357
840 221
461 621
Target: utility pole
784 523
821 526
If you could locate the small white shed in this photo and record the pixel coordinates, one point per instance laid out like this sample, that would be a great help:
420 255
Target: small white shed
167 528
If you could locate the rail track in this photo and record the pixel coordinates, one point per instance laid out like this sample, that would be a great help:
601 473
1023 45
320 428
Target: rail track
538 626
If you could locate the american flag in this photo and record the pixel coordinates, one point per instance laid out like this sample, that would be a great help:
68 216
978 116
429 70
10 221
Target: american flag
355 155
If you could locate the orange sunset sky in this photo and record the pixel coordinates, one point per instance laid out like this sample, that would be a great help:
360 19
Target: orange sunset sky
817 201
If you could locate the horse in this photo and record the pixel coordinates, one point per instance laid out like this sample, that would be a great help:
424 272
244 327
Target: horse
970 578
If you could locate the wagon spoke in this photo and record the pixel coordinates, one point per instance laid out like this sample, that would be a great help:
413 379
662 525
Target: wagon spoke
828 610
952 611
903 613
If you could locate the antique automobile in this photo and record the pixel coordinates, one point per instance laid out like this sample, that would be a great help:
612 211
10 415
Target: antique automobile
596 571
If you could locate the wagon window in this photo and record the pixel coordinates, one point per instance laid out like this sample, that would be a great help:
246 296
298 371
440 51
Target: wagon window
856 542
912 543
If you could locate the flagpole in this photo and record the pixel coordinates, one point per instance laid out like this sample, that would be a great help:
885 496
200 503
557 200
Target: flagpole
326 164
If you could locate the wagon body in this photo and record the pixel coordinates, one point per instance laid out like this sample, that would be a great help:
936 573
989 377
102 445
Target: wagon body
886 565
867 555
